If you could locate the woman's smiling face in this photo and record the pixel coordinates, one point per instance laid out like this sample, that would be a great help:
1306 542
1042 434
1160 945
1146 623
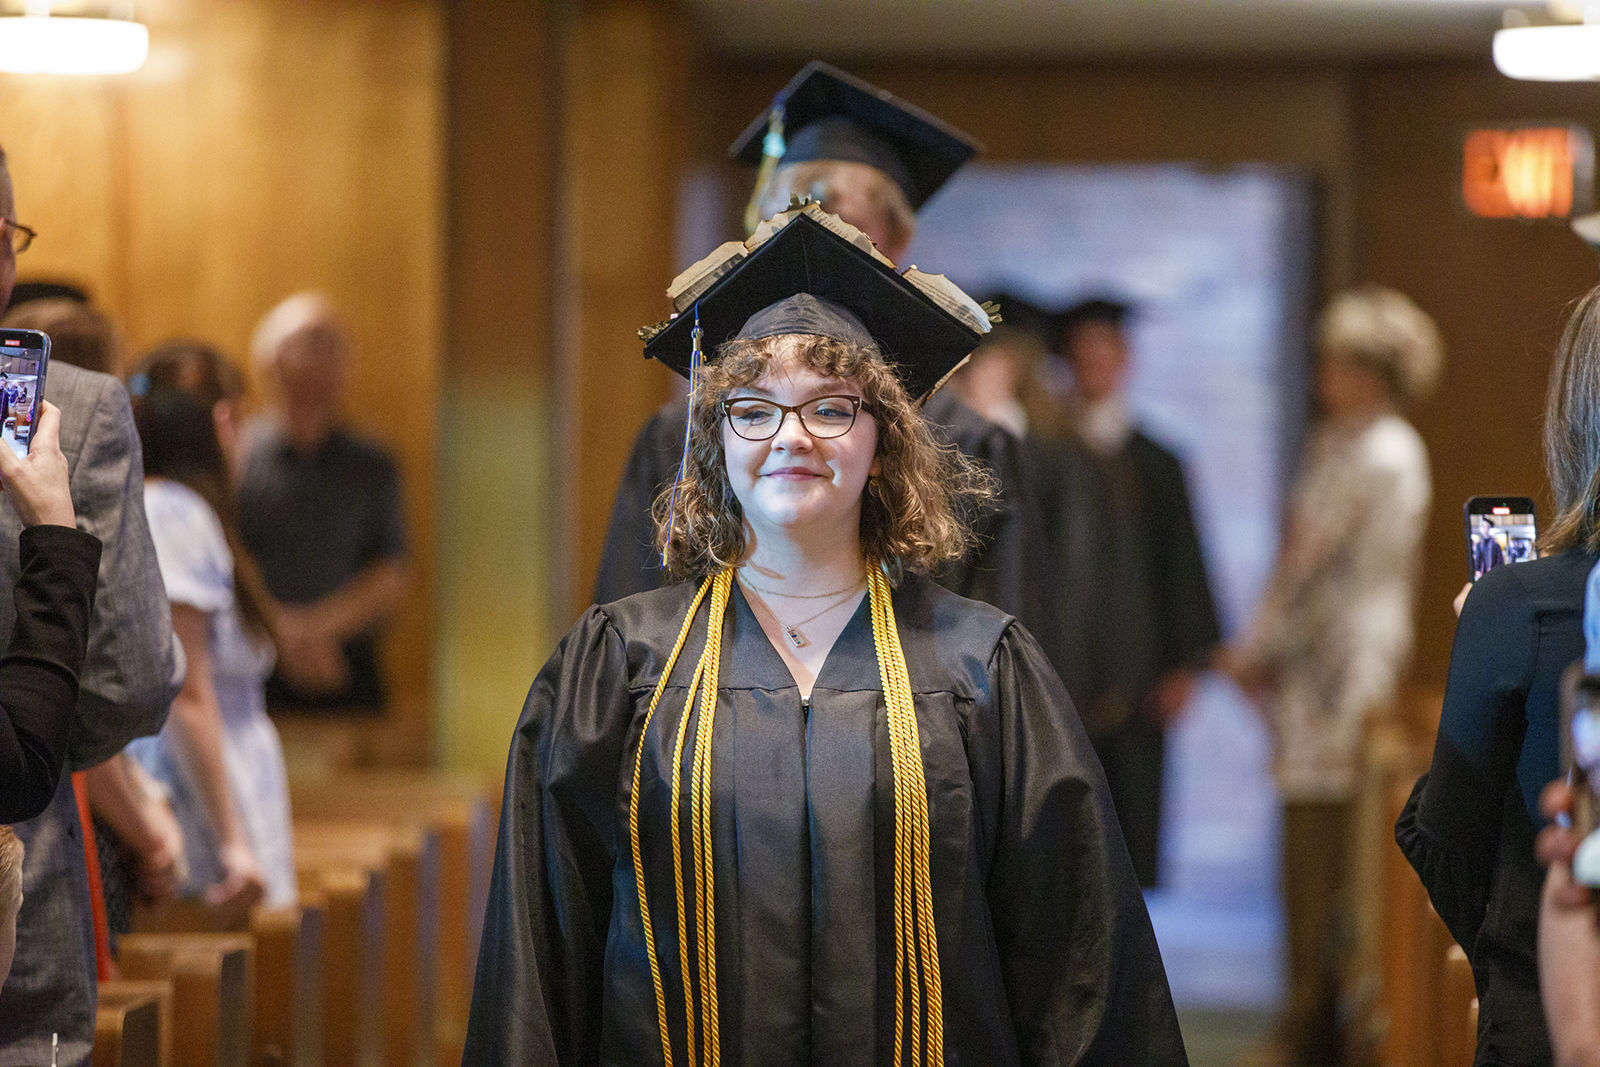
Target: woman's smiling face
794 486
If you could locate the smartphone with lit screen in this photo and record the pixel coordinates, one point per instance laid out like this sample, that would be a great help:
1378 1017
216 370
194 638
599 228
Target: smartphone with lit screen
1500 530
24 355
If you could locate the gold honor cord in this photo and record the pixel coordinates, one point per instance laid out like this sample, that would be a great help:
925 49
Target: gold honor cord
677 852
633 826
700 817
916 941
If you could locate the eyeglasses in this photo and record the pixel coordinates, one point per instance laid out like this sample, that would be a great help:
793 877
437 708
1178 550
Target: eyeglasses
21 236
823 418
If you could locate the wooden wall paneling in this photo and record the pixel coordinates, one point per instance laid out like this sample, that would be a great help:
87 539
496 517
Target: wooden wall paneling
271 149
59 138
497 620
625 88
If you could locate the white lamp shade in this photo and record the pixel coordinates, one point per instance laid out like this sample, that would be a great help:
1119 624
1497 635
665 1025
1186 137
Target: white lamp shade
46 44
1549 53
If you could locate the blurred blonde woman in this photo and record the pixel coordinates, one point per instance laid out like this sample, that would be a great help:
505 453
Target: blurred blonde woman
1333 631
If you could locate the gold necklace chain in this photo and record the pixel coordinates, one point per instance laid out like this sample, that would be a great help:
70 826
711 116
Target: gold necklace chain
852 587
792 629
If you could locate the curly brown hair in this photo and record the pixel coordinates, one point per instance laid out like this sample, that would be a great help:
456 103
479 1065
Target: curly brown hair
915 513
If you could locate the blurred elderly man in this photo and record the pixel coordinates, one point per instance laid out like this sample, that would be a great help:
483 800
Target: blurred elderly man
320 509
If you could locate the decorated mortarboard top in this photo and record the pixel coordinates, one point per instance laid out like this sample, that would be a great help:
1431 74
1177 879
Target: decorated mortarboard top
923 324
829 114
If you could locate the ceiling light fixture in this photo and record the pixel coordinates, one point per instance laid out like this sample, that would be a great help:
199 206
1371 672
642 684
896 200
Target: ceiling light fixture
1562 46
41 43
1549 53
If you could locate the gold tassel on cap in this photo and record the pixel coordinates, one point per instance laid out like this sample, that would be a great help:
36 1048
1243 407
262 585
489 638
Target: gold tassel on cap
772 150
916 940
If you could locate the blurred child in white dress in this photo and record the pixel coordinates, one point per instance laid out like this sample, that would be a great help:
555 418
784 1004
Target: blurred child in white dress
219 753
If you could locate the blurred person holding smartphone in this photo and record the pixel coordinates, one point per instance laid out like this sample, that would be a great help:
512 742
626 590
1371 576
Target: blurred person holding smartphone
137 837
129 676
1469 826
54 598
1333 631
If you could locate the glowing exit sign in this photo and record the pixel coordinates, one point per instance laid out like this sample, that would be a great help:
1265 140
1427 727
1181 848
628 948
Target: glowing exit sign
1527 172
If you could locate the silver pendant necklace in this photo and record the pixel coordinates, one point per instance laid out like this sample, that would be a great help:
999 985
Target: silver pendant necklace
792 629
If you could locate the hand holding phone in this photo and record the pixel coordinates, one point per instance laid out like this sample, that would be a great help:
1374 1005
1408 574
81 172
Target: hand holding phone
1500 530
37 482
24 356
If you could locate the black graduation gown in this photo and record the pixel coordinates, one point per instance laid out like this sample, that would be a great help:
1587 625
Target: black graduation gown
1071 492
1011 567
1155 615
1154 597
1046 949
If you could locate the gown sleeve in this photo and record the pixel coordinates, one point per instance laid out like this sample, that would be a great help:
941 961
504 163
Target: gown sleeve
39 672
1449 829
537 995
1082 971
1191 629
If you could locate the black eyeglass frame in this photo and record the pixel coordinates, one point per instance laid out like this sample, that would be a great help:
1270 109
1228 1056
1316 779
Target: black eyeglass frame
857 405
29 233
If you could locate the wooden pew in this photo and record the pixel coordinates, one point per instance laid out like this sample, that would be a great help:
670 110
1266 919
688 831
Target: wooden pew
462 812
287 974
351 898
289 986
1406 975
133 1025
409 858
1458 1010
212 993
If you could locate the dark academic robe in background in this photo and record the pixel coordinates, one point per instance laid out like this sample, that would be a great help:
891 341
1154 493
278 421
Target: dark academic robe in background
1011 568
1045 947
1070 490
1155 615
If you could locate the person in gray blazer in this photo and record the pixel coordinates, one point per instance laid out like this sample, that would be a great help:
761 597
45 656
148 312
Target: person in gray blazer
130 675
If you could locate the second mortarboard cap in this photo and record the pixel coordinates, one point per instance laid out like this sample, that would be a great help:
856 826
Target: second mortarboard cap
829 114
1024 316
924 326
1096 309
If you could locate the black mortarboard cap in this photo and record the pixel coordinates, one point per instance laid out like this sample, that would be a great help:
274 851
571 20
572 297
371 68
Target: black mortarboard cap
1096 309
829 114
1023 315
920 339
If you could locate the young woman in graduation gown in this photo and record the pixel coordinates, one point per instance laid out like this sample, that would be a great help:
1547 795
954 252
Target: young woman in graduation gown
806 806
